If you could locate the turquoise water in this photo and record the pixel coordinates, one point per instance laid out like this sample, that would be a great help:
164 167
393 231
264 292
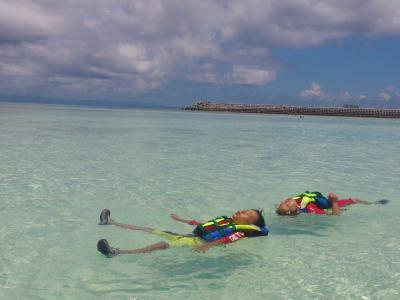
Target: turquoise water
59 166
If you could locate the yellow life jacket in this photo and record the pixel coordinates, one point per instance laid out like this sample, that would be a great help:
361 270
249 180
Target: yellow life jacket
306 198
223 226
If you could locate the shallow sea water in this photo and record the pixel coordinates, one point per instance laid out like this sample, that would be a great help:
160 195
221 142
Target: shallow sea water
59 166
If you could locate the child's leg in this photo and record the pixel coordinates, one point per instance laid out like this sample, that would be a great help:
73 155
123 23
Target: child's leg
105 219
131 227
351 201
147 249
104 247
357 200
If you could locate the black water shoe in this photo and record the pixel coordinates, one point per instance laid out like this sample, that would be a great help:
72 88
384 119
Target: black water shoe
104 247
382 201
105 217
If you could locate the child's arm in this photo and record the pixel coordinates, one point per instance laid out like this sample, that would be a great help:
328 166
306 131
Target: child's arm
179 219
335 205
225 240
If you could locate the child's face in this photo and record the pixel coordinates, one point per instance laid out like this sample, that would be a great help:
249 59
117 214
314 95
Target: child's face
245 217
288 207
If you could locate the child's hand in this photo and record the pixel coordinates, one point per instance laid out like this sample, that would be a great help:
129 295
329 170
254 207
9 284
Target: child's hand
176 217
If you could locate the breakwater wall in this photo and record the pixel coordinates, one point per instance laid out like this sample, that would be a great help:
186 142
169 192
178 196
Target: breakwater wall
294 110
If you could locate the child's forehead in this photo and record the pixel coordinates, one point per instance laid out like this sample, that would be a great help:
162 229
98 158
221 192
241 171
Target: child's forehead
283 205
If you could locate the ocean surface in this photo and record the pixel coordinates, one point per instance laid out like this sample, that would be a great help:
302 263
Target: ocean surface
60 166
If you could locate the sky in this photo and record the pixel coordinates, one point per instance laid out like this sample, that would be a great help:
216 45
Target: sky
175 52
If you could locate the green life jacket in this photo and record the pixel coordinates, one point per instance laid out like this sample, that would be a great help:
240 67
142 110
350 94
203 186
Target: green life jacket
307 197
223 226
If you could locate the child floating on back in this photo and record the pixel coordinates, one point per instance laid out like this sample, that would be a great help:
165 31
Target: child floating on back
221 230
316 203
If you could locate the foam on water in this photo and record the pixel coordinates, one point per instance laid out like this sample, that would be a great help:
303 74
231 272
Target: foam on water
59 166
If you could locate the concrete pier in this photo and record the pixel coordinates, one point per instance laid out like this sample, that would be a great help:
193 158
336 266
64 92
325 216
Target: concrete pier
294 110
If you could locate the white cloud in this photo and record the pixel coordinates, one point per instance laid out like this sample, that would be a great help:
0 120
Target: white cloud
384 96
130 47
243 75
206 73
314 92
388 93
345 96
390 96
252 76
27 20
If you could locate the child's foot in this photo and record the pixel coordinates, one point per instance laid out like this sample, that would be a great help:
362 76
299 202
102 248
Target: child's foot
105 217
104 247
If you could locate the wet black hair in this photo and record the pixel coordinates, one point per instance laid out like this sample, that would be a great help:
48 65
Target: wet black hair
260 222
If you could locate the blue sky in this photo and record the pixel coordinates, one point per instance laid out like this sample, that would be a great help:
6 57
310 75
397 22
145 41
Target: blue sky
171 53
